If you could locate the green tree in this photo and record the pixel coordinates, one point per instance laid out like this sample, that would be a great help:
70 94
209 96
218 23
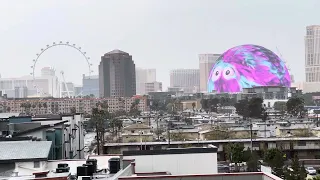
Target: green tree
296 171
170 108
99 117
73 110
242 107
154 104
213 104
280 106
235 153
295 106
205 104
134 109
116 126
252 161
45 106
250 108
255 107
275 159
28 107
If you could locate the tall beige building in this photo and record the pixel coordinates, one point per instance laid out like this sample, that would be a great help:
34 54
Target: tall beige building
206 61
144 76
185 79
312 59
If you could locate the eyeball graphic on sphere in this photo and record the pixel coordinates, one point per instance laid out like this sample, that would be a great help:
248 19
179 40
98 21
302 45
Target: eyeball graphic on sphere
228 73
216 74
247 66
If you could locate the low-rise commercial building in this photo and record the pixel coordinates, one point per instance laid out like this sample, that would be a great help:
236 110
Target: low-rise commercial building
137 133
304 147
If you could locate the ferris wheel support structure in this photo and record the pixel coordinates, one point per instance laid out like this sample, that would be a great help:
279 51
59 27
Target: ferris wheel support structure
54 44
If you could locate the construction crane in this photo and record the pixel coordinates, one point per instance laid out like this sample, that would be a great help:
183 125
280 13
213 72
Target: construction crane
281 57
65 84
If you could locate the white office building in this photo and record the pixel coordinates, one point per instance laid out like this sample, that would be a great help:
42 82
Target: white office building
153 87
186 79
45 85
144 76
312 59
206 62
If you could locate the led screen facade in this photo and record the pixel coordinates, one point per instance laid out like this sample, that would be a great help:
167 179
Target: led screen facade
247 66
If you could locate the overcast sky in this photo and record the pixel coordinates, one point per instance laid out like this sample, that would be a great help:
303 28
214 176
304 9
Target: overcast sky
161 34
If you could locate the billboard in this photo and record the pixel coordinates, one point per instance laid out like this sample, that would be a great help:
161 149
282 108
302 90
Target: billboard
247 66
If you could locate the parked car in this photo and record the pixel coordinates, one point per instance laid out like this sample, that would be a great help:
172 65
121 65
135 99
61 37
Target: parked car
311 170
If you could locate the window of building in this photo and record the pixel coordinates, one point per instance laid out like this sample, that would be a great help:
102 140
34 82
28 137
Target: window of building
36 164
301 143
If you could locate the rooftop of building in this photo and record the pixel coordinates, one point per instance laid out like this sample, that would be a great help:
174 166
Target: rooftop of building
7 115
13 151
136 126
151 164
116 51
219 141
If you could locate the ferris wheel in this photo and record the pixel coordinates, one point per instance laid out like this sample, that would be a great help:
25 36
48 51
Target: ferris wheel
49 46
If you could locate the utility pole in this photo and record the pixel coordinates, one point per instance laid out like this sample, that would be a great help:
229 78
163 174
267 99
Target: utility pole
158 128
168 134
247 114
251 135
150 113
98 144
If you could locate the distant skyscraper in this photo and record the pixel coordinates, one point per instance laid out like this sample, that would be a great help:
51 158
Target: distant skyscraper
152 87
206 61
21 92
47 84
312 58
117 76
78 91
47 71
90 85
186 79
144 76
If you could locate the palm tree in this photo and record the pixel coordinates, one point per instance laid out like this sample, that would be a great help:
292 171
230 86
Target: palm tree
134 109
98 118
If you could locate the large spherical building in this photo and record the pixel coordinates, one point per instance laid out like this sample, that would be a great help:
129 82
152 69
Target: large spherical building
247 66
